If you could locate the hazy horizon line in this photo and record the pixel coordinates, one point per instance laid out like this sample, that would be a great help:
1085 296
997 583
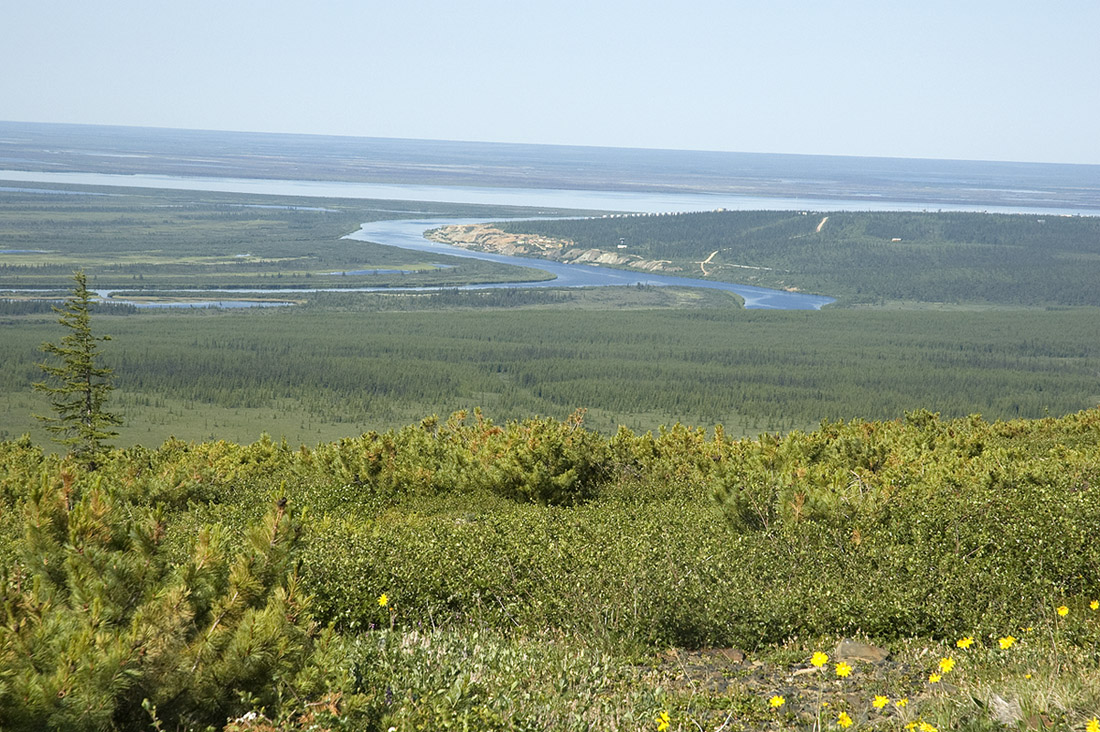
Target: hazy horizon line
543 144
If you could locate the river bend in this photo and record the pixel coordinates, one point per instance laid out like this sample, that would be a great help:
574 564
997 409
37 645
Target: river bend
409 234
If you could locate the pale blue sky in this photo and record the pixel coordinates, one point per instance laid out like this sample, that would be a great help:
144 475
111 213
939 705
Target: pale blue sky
987 80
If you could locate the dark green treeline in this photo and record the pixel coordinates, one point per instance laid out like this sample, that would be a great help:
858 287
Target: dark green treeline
749 370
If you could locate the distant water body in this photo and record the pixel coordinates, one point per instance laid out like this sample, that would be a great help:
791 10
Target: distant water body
482 169
550 198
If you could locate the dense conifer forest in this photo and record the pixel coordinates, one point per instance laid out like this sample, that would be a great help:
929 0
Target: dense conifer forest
317 374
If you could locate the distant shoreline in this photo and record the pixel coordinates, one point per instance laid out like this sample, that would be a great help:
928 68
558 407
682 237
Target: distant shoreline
559 199
399 163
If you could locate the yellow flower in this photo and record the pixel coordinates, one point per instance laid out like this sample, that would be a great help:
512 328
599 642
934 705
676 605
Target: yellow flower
964 643
843 670
1063 611
777 701
880 701
844 720
1093 725
902 702
819 659
925 727
383 600
911 725
1007 642
1094 605
934 678
946 664
662 721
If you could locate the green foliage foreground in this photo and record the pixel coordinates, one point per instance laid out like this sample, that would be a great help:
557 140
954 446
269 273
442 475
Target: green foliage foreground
465 573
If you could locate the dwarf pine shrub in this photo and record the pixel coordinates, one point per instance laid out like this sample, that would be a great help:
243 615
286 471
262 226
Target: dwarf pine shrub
98 620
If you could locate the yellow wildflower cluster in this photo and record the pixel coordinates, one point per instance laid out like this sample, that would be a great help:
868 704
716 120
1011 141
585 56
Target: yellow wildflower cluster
921 726
944 666
663 721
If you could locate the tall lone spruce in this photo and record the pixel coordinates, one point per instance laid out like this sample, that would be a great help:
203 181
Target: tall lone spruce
78 388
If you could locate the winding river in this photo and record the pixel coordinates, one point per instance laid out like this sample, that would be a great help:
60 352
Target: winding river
409 234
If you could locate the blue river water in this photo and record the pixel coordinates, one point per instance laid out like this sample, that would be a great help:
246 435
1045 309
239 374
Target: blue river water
409 234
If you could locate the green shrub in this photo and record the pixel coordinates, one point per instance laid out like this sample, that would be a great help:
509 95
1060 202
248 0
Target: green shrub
98 620
537 460
166 576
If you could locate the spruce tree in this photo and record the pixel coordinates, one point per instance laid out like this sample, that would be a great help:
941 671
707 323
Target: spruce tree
78 387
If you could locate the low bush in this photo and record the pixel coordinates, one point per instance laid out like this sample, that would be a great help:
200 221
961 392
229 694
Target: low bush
100 629
175 584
